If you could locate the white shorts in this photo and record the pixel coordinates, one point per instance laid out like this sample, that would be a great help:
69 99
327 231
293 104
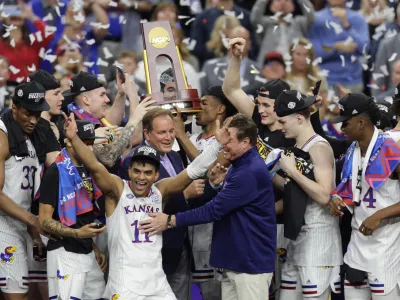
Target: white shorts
312 281
281 256
86 285
13 264
379 284
115 292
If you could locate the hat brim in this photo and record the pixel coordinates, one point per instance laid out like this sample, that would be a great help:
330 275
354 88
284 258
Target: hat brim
339 119
43 106
145 156
68 93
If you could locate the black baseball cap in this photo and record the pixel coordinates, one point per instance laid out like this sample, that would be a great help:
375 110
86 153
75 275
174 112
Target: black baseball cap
147 152
292 101
217 92
48 81
352 105
86 130
82 82
273 88
30 95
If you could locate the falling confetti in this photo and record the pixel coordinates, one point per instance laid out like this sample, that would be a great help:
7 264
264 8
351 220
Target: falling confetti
32 68
392 58
14 70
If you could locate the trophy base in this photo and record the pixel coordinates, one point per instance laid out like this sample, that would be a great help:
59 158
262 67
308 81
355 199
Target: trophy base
187 100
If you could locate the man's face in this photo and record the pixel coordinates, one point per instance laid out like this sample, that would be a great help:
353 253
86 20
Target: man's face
273 70
54 98
170 91
4 72
129 65
396 73
98 102
266 110
351 129
209 110
234 148
163 134
27 120
290 126
142 177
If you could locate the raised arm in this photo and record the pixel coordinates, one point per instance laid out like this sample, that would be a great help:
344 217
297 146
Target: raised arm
190 150
108 154
199 167
257 15
231 86
7 205
110 185
322 158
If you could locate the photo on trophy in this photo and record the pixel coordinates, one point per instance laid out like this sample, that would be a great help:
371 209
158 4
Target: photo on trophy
166 81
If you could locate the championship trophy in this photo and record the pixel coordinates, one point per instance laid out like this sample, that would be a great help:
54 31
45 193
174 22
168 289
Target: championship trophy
158 41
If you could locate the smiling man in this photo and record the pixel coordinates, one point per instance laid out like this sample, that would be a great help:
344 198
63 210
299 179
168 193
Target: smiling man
243 212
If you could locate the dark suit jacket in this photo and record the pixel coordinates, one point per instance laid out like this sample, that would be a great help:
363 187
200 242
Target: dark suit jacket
173 239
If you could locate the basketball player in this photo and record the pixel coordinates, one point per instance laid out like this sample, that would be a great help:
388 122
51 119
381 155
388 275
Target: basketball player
135 259
314 258
22 149
372 258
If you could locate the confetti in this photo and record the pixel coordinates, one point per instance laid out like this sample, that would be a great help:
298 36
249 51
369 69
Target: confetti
312 77
32 38
13 69
88 64
58 11
113 4
349 4
215 71
47 18
180 17
308 60
260 28
39 37
327 24
184 2
343 61
12 43
384 70
240 17
51 58
91 42
101 62
336 27
254 70
32 68
260 79
275 27
201 75
122 19
73 61
20 79
376 76
189 21
107 53
306 7
317 61
99 25
392 58
80 18
276 16
353 58
229 13
288 18
49 30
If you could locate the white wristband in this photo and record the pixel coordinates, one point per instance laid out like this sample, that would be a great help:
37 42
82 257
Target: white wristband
199 167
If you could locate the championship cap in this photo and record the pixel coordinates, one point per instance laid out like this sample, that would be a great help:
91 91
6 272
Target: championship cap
352 105
148 152
273 88
86 130
30 95
82 82
292 101
48 81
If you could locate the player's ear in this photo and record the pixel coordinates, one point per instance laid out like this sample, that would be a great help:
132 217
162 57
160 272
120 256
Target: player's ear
157 175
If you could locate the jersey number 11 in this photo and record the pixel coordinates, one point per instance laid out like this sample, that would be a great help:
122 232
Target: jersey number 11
137 233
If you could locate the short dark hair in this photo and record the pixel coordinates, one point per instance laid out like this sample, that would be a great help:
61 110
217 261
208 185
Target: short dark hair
152 114
246 128
143 161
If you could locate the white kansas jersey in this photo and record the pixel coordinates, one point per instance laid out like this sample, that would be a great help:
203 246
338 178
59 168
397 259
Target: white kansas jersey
318 243
394 134
135 258
201 144
380 251
21 182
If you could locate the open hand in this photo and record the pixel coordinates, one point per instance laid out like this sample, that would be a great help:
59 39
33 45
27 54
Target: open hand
341 14
155 225
288 164
143 107
222 134
217 174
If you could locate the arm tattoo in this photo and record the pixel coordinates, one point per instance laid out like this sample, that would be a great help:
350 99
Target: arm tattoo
108 154
54 227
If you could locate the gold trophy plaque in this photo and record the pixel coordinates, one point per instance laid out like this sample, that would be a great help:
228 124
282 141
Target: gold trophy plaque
158 40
